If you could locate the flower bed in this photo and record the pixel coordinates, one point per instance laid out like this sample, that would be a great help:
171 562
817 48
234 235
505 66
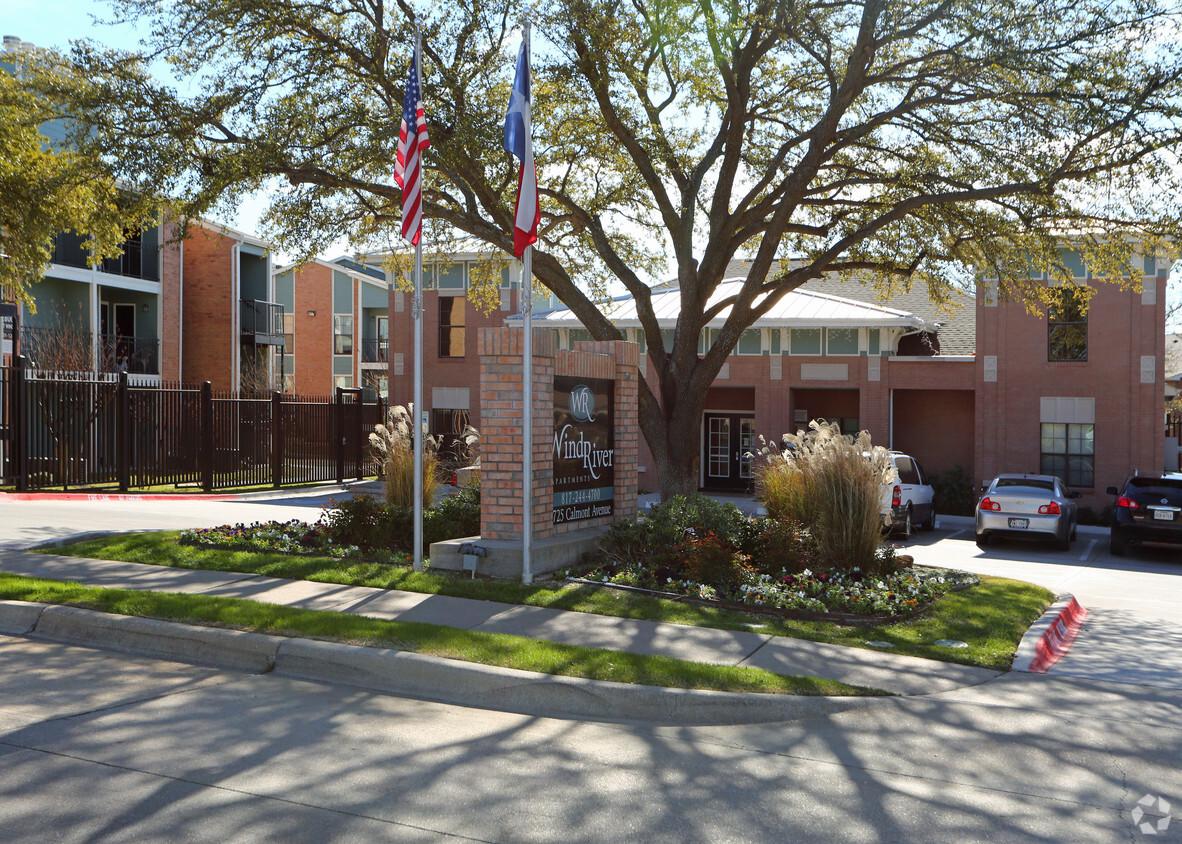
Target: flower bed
294 537
830 596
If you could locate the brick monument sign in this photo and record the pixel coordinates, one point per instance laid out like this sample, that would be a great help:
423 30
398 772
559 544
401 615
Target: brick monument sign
586 447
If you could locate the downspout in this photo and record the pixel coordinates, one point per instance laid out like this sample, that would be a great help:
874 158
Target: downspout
180 327
235 319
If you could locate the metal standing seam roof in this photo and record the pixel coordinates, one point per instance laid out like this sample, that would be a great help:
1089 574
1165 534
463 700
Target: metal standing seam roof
800 308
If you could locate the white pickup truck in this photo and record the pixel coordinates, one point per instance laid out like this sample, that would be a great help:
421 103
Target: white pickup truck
908 501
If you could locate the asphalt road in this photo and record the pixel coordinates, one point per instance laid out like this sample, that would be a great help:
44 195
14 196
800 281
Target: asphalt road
1133 633
27 522
98 746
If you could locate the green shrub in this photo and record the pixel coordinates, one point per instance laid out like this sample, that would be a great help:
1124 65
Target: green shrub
954 492
775 546
651 538
369 522
455 516
832 484
708 558
364 521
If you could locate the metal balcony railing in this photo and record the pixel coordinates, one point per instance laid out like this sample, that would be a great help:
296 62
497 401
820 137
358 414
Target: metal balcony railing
375 351
137 355
69 349
261 322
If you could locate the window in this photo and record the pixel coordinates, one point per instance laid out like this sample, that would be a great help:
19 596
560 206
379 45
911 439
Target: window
450 276
289 334
841 341
805 341
873 341
343 381
451 326
750 342
1068 452
578 335
342 330
1067 325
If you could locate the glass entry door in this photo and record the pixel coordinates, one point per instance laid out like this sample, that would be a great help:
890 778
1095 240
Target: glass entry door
727 440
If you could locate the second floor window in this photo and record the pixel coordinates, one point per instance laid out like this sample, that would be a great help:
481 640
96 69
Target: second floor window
1067 325
342 330
451 326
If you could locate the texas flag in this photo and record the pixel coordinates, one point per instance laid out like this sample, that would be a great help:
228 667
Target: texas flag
519 141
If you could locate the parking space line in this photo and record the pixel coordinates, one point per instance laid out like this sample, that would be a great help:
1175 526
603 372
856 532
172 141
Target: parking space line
1087 551
956 533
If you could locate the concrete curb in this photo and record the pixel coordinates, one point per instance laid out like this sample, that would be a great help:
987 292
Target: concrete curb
410 674
1049 638
74 538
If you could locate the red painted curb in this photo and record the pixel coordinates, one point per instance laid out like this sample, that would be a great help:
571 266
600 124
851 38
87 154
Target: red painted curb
1053 644
104 496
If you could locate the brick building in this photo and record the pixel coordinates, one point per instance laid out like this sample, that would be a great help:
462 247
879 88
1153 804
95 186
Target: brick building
169 309
986 386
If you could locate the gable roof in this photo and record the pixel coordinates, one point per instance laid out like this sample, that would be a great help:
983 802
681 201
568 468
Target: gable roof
798 309
957 329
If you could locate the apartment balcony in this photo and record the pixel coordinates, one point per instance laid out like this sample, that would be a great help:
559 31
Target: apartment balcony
68 349
137 261
137 355
375 351
261 323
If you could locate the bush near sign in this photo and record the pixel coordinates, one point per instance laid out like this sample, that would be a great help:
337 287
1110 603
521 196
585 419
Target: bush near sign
584 448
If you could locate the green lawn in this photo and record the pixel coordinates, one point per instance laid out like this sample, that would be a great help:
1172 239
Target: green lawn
433 640
990 618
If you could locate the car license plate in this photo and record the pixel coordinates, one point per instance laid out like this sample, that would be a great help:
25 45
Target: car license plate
1164 515
1020 523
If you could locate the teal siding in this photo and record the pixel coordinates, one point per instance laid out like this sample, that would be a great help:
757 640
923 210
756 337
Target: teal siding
342 293
285 291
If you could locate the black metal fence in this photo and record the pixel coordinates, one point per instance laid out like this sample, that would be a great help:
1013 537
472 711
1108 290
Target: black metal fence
93 433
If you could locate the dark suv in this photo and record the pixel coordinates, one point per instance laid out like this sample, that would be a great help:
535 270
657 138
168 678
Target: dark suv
1148 508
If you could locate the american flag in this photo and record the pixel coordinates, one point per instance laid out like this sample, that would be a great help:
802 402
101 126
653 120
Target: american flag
412 140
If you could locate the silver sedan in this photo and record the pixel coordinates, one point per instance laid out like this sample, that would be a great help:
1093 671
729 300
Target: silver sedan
1031 506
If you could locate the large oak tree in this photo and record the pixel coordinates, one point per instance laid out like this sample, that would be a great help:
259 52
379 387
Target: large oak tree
902 141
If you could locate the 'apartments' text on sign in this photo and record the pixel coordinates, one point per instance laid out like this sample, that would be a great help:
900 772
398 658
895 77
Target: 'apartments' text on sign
584 448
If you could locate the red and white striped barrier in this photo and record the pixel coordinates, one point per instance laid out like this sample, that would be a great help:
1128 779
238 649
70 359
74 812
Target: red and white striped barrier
1057 638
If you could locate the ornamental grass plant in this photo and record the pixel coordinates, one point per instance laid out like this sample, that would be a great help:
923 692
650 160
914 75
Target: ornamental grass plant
394 444
833 485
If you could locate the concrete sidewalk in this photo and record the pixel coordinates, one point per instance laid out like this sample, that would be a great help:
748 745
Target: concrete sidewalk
857 666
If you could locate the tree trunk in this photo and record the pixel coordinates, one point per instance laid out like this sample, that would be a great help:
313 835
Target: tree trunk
673 435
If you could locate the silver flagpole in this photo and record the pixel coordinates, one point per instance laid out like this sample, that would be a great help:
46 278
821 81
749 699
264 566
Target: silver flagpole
417 315
527 381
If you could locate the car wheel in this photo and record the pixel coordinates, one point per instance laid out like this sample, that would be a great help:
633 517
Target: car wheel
930 522
1063 544
1075 530
982 540
908 524
1117 546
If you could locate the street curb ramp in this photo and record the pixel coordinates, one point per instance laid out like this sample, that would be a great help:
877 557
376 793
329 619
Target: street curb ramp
409 674
1049 638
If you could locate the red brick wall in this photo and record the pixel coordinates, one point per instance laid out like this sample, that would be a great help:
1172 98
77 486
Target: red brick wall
313 344
209 298
1121 329
440 372
935 427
